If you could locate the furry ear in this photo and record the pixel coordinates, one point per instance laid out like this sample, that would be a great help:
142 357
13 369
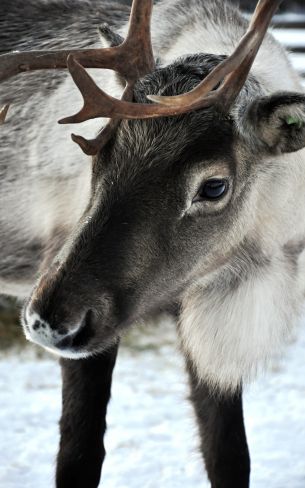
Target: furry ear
109 38
275 123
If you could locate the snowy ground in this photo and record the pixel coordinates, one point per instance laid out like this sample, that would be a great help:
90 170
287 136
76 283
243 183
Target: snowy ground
152 439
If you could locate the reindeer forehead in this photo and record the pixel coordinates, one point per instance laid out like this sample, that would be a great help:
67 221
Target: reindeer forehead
142 143
156 145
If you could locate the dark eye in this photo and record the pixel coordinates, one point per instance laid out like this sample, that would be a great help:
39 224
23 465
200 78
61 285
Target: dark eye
212 189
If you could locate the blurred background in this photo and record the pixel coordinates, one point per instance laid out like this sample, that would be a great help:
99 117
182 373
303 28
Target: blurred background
152 438
10 330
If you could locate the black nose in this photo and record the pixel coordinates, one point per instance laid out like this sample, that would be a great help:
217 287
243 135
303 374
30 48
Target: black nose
59 335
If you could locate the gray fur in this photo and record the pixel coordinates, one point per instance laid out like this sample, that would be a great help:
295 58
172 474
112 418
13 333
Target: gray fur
248 261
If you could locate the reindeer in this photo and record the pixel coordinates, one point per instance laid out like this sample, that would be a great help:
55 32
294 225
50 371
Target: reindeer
192 205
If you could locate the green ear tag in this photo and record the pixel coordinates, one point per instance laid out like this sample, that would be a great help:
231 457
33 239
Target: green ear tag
290 120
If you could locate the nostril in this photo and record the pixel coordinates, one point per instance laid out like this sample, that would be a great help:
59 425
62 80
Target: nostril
36 325
81 334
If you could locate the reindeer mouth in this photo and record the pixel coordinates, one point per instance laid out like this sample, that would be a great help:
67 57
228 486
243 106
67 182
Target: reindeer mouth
80 338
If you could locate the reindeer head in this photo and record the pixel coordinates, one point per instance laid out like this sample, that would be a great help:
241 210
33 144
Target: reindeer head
174 182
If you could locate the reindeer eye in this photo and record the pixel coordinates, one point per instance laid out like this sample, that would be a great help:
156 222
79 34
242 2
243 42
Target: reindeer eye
212 189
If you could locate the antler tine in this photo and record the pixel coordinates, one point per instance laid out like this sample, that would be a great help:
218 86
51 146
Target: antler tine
235 68
138 45
97 103
92 146
259 25
92 95
12 64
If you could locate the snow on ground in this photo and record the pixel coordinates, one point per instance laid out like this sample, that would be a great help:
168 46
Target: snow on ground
151 439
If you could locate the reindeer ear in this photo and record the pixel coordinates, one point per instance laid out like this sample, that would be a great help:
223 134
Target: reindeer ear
276 123
109 38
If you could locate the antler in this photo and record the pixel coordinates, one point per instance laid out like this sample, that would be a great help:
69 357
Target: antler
233 70
133 59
